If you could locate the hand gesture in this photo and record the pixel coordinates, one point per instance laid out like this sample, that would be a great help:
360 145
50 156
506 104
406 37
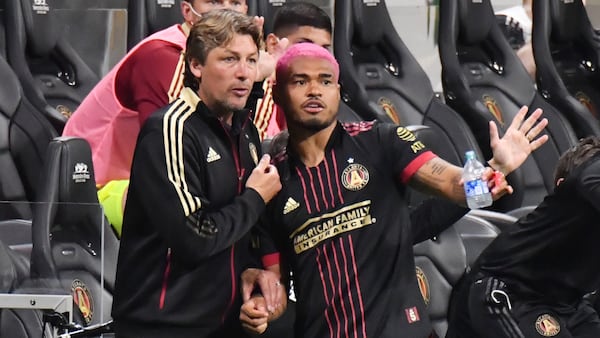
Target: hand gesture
254 315
270 287
518 141
264 179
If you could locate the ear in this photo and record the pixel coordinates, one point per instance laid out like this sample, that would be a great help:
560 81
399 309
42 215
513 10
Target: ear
196 68
272 41
186 12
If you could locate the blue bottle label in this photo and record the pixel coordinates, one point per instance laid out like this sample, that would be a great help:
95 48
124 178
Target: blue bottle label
475 188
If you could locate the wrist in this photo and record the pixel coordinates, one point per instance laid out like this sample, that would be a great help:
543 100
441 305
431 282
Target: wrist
497 167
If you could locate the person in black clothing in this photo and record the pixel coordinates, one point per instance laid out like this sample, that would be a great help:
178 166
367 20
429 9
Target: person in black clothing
198 185
532 279
340 222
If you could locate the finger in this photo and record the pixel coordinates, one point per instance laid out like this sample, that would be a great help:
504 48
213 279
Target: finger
494 137
535 131
531 120
267 288
538 142
516 121
246 290
264 162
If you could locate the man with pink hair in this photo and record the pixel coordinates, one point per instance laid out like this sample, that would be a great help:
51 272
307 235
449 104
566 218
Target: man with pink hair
340 222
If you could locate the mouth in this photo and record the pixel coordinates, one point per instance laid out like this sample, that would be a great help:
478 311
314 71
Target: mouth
313 106
240 91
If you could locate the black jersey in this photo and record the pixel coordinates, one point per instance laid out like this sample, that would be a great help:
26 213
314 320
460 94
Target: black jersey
343 227
554 251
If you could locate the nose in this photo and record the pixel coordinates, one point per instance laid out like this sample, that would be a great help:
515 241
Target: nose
244 71
314 89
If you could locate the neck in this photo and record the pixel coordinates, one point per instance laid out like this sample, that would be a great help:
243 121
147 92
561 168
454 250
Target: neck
309 145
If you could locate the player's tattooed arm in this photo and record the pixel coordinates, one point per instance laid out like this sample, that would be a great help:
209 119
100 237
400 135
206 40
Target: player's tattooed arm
441 178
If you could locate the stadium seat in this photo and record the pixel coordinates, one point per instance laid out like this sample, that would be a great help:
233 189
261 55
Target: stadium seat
53 75
69 230
567 56
484 80
149 16
440 263
24 137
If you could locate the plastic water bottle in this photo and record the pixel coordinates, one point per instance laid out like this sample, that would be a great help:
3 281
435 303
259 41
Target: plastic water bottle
476 190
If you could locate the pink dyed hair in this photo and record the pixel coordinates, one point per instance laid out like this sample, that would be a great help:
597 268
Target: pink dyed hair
305 49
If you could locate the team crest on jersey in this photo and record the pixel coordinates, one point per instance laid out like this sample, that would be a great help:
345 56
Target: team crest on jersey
253 152
423 285
355 177
83 299
547 326
493 107
586 102
389 109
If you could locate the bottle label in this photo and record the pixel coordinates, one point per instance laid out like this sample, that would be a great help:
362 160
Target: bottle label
475 188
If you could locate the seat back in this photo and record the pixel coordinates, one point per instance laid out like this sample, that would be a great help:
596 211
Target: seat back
567 56
53 75
145 17
24 136
440 263
484 80
72 242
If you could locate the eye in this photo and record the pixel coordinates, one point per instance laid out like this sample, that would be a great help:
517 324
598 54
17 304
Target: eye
299 82
252 61
327 82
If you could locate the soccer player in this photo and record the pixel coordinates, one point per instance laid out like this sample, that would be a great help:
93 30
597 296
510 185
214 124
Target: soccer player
340 221
198 185
531 280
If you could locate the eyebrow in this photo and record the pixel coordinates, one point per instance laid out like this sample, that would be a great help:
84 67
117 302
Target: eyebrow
305 76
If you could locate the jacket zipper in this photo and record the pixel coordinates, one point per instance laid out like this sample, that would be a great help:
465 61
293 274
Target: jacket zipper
240 172
163 291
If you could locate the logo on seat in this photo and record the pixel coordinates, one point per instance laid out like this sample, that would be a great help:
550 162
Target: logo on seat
547 326
81 173
165 3
389 109
212 155
40 7
83 299
423 285
586 102
493 107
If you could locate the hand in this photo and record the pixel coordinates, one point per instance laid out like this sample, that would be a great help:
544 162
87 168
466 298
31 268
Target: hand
259 21
518 141
267 61
270 286
254 315
264 179
497 183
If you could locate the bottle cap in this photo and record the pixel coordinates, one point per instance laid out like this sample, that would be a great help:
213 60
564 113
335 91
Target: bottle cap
469 155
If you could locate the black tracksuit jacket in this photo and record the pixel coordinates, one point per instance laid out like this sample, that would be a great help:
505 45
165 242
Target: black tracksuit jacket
186 226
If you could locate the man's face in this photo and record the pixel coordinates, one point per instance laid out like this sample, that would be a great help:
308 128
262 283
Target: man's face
193 9
309 95
227 75
314 35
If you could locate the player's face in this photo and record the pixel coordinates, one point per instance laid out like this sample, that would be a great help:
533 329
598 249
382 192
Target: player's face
227 75
309 96
317 36
193 10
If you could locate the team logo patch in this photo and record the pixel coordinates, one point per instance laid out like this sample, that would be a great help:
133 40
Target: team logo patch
586 102
412 314
253 152
389 109
81 174
547 326
423 285
493 107
355 177
83 299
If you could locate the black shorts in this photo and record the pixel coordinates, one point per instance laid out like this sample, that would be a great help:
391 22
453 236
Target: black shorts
485 307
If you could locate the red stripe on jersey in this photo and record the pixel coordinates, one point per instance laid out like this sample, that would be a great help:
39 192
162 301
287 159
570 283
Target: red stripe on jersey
360 301
324 293
355 128
312 188
354 319
304 191
163 291
322 188
329 182
415 165
335 313
271 259
337 176
339 274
